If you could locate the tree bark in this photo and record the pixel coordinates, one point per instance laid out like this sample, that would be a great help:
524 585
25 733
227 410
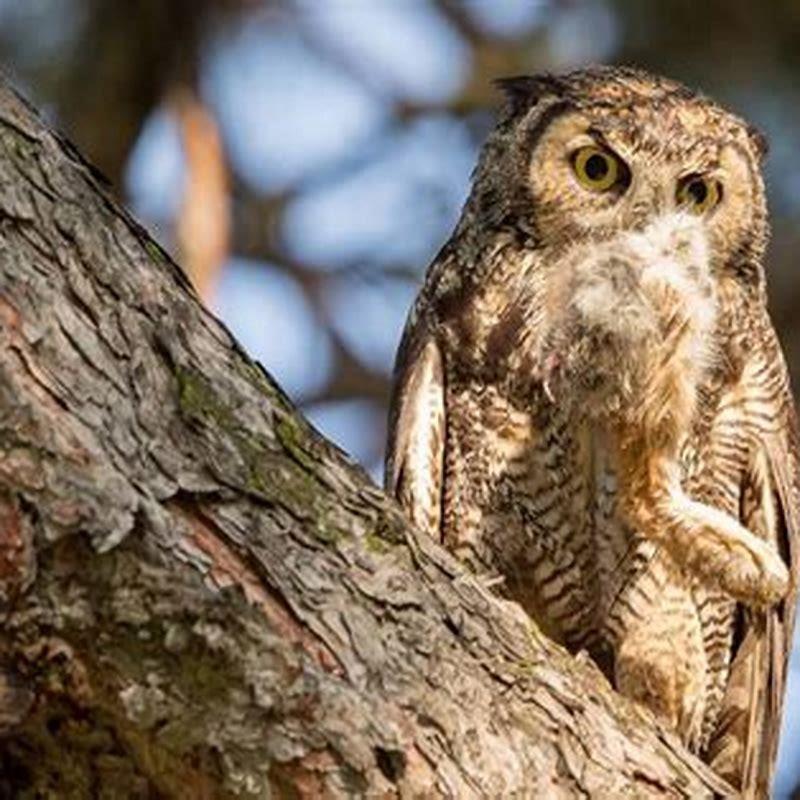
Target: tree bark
203 598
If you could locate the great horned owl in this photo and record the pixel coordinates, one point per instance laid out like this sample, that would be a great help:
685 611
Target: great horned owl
590 400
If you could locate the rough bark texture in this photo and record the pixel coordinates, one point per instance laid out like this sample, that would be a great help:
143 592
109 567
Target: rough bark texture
203 598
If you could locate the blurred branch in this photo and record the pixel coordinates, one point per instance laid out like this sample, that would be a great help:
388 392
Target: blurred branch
460 18
203 224
120 66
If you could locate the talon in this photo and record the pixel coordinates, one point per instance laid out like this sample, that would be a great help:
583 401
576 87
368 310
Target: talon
551 365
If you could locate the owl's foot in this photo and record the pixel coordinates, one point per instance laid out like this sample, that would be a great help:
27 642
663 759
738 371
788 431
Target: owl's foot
549 372
716 548
563 375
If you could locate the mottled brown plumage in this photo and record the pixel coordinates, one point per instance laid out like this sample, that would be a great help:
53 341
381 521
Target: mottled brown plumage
591 402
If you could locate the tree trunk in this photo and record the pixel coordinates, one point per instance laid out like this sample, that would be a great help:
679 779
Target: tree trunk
203 598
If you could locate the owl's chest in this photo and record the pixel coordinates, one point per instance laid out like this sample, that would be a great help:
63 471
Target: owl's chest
539 476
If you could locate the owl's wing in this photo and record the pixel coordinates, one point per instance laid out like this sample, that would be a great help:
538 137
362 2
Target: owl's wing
415 449
746 744
782 459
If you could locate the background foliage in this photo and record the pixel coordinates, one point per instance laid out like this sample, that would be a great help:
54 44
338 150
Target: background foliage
305 159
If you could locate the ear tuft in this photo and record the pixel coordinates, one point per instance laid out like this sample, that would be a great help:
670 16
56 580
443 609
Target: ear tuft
522 92
759 141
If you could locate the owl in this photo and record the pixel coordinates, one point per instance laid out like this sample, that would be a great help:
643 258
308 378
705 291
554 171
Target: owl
590 403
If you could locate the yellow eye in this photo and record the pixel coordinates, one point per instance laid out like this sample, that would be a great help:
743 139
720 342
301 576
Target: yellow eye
595 168
698 194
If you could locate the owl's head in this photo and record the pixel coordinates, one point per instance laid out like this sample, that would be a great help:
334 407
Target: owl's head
641 204
584 156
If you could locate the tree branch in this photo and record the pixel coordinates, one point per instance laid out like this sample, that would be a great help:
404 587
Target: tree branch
202 598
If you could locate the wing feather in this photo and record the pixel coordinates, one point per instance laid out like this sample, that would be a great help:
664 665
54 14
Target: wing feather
744 749
784 473
415 451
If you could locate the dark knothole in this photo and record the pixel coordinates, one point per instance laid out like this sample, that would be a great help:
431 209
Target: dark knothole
392 763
